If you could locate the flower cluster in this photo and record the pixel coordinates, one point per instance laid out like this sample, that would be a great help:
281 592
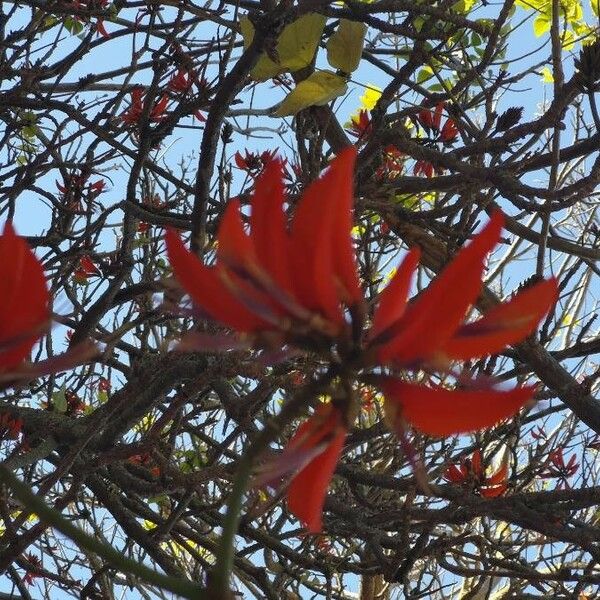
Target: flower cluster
134 113
471 472
299 285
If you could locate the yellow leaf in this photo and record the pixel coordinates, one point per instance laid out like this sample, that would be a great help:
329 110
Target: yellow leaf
319 88
295 49
369 99
344 47
595 4
547 76
541 24
568 40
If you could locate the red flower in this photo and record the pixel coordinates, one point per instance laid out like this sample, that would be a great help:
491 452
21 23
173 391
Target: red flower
253 162
425 167
10 426
558 469
449 131
431 119
86 269
181 82
36 565
132 116
24 312
299 285
432 122
392 165
471 472
360 125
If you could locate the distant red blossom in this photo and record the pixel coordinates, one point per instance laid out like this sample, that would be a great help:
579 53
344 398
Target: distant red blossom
392 164
431 121
31 574
471 472
85 270
424 167
360 125
253 162
559 469
10 426
286 286
134 113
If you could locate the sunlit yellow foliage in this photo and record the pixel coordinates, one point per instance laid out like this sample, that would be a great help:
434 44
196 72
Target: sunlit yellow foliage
319 88
369 99
296 46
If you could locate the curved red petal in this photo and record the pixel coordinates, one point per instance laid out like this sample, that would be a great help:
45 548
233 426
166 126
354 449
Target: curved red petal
344 254
438 312
499 477
314 256
268 224
307 491
235 248
454 474
442 412
507 323
204 286
24 300
392 300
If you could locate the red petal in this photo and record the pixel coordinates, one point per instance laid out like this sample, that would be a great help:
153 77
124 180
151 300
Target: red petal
500 476
437 116
507 323
438 312
441 412
203 284
344 255
101 29
235 248
239 161
454 474
392 300
24 299
312 243
268 223
307 491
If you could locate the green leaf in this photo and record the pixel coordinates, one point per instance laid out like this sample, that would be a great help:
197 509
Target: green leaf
73 26
295 49
59 401
424 74
345 46
318 89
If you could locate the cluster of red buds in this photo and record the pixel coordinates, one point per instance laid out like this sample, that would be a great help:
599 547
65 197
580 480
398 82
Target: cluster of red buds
254 163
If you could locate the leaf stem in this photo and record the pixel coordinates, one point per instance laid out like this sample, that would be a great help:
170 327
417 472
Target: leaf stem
220 577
